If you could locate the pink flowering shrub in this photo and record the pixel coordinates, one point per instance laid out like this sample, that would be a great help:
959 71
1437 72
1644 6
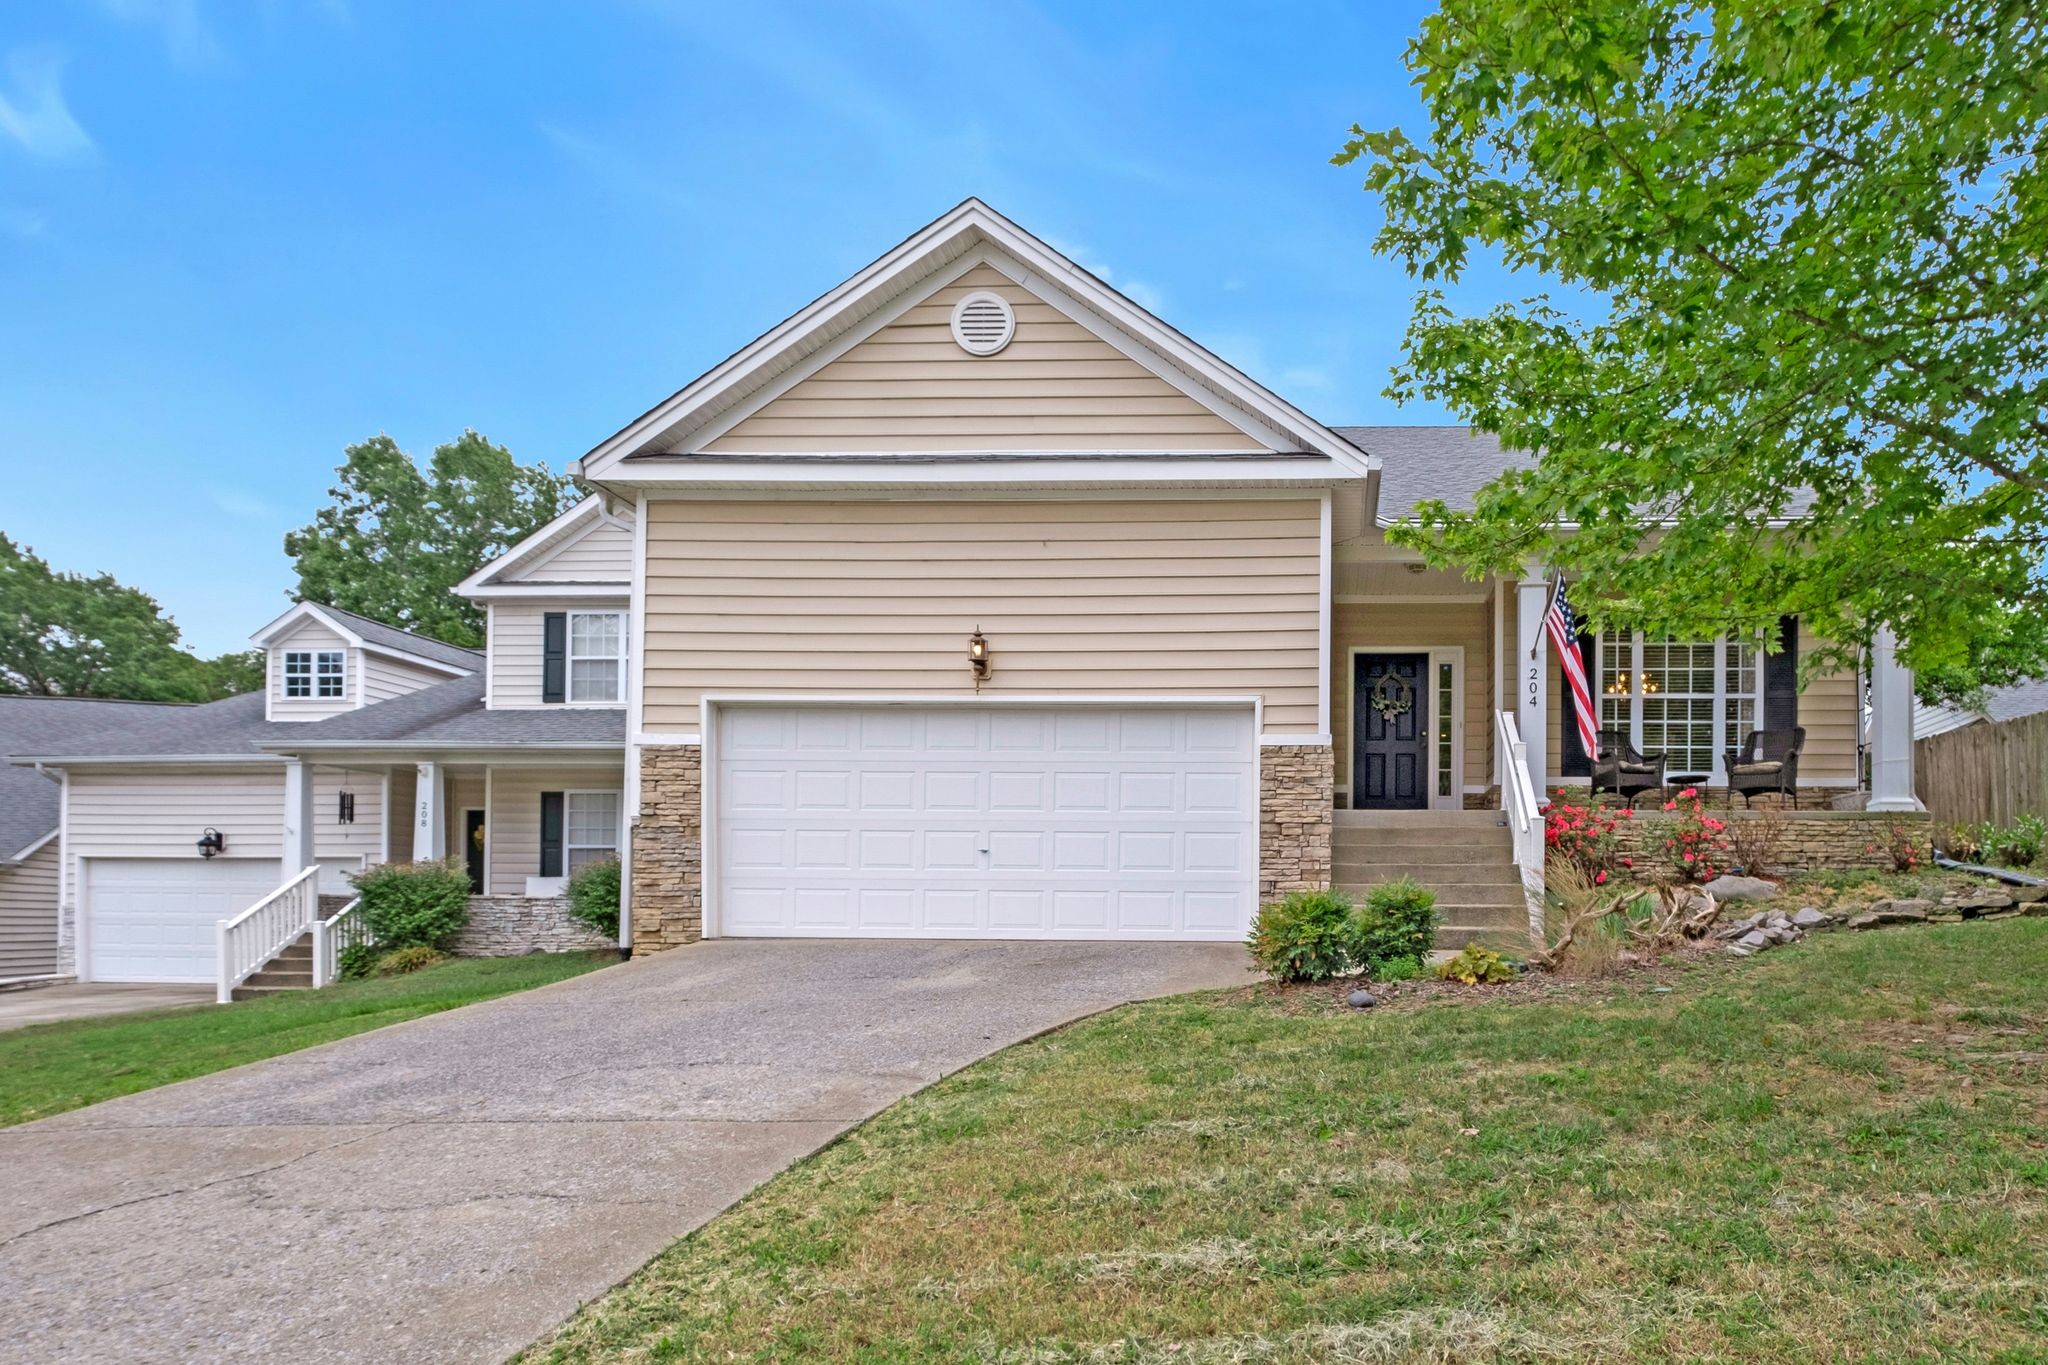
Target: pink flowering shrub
1584 836
1697 842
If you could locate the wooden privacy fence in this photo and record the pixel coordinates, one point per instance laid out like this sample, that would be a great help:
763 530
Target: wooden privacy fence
1985 772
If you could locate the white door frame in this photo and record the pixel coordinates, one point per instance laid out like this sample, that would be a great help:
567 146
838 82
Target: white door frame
1438 655
712 703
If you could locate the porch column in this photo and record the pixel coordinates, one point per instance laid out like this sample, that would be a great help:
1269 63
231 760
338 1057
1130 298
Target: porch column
1891 727
1530 669
298 817
430 816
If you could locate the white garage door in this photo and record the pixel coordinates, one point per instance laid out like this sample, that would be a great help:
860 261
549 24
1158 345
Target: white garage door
997 822
152 919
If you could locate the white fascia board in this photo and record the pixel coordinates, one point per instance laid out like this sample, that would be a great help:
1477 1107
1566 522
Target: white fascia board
304 611
570 592
950 236
28 852
565 528
653 474
141 760
502 755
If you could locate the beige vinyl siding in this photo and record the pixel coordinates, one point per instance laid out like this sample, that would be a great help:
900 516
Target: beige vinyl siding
1181 597
1056 386
603 554
28 914
515 816
1399 626
518 647
384 678
311 635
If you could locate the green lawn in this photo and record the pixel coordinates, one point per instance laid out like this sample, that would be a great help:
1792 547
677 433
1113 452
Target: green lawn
1832 1152
48 1068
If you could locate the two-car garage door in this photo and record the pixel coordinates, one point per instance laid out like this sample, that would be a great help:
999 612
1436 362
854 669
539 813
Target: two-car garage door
960 821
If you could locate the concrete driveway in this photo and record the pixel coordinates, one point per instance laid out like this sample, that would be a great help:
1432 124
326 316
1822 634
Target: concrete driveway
90 999
450 1188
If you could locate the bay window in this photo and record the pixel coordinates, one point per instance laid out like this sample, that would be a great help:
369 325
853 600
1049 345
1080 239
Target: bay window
1687 699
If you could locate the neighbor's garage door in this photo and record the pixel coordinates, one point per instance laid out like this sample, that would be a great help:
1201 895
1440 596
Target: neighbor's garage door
998 822
152 919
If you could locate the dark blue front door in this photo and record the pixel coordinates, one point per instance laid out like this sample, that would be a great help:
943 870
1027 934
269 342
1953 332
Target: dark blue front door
1390 732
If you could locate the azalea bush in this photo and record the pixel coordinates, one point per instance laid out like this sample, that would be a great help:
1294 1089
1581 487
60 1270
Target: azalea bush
1697 842
1585 836
1900 847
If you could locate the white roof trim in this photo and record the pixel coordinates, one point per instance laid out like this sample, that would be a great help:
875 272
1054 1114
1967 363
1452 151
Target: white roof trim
268 637
28 852
579 521
798 340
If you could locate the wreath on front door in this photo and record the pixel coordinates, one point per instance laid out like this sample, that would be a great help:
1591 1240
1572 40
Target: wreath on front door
1392 696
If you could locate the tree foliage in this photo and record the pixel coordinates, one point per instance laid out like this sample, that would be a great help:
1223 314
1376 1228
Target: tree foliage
87 635
1814 237
396 539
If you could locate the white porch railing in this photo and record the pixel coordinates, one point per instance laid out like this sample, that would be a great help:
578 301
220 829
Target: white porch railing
331 937
1525 816
259 933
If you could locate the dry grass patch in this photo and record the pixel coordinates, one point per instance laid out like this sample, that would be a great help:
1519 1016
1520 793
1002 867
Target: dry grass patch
1755 1164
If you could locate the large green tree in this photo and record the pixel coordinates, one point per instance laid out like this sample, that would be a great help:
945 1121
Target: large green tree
87 635
1807 241
396 538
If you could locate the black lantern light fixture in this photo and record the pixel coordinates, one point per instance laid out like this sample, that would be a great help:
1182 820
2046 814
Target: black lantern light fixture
346 815
212 842
977 655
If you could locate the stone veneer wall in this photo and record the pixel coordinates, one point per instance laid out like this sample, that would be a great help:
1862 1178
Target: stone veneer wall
1297 793
1811 839
512 926
668 848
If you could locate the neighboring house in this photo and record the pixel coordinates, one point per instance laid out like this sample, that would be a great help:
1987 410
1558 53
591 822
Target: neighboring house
971 600
1999 705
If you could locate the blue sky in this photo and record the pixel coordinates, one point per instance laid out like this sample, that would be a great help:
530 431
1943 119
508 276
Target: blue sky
237 235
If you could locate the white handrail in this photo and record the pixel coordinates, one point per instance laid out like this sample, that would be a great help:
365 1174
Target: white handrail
243 944
1525 815
331 937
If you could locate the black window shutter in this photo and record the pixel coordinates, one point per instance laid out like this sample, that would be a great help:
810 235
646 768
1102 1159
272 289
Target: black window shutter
550 834
1572 760
1781 680
554 667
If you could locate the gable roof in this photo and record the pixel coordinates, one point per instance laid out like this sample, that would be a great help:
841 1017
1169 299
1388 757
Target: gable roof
365 633
662 445
28 800
503 573
2001 704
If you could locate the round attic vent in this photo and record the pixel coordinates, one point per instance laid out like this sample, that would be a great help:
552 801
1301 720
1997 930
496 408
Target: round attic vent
983 323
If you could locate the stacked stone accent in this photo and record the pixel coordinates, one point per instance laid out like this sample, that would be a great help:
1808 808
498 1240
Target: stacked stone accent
1811 839
512 926
668 848
1297 792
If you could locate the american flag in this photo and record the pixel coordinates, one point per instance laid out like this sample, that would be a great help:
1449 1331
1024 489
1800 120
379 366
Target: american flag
1563 624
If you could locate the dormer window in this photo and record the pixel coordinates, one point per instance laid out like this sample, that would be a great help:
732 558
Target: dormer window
315 673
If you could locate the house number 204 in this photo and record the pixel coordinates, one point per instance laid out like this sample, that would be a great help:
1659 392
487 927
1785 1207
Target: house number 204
1535 684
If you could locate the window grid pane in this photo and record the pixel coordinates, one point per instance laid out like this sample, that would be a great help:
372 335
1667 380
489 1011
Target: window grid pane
298 674
332 669
596 655
1444 698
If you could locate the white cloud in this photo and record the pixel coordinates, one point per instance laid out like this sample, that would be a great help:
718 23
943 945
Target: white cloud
190 44
32 108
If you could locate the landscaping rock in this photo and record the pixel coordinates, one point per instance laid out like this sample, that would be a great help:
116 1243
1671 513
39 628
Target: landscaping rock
1754 939
1810 918
1862 920
2029 895
2035 910
1902 911
1734 888
1740 951
1740 927
1974 903
1361 1000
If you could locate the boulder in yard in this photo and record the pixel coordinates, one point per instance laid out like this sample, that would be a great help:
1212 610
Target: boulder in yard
1755 939
1730 887
1810 918
1902 911
1974 903
1862 919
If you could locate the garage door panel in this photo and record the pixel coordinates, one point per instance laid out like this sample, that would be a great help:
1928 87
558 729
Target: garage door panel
155 919
1060 821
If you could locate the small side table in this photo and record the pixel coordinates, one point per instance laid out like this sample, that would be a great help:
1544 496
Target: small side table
1674 783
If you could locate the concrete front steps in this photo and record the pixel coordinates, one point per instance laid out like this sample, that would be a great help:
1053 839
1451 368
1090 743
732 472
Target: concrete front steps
1466 856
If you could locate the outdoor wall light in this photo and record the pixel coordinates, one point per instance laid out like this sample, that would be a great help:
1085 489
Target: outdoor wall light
211 842
977 655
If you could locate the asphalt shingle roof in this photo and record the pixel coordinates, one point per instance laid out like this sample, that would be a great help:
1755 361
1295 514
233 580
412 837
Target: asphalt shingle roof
380 636
453 713
28 800
1446 462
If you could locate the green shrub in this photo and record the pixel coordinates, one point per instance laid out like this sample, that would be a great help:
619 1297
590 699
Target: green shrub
1477 966
2017 844
1307 937
1398 920
399 961
594 896
1398 969
409 905
358 959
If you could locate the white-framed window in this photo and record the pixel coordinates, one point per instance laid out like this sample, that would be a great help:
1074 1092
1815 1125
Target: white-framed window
597 656
1688 699
590 828
315 673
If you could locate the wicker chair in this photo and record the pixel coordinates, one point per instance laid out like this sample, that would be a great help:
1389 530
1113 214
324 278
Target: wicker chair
1622 770
1767 761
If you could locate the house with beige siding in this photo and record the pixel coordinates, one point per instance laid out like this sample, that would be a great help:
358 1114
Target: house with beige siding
970 600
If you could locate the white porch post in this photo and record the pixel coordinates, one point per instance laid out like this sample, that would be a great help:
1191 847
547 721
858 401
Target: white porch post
430 816
1530 669
298 817
1891 728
